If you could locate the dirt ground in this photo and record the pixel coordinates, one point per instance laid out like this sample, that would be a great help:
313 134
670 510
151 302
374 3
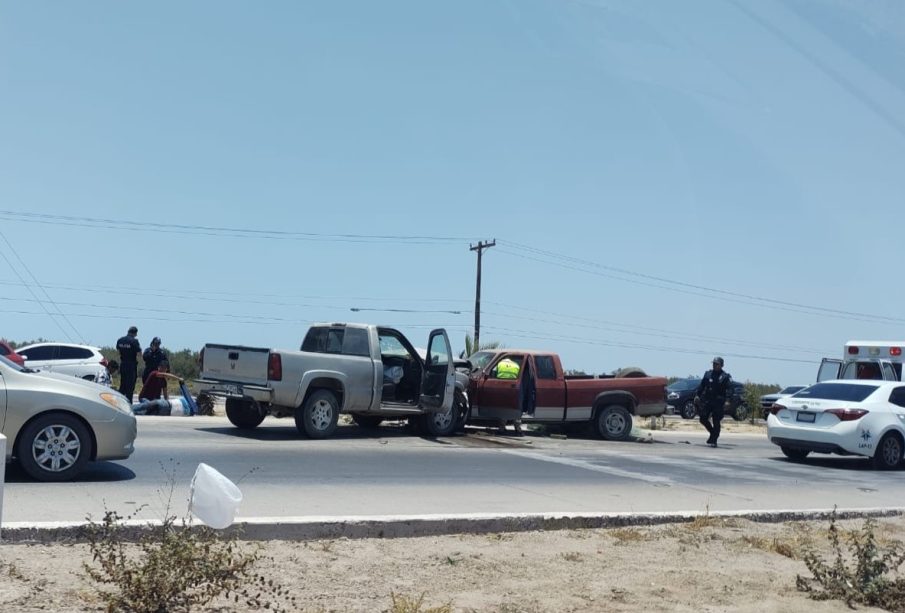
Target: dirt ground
710 565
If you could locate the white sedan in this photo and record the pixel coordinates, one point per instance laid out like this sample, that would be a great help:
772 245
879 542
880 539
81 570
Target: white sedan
865 418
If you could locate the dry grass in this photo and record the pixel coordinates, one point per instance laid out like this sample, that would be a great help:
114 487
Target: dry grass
407 604
625 536
772 545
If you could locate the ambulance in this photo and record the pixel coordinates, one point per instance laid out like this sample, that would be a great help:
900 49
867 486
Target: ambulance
880 360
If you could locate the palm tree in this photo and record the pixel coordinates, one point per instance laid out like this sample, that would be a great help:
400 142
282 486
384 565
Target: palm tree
470 348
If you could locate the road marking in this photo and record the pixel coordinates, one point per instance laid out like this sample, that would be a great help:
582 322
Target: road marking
606 470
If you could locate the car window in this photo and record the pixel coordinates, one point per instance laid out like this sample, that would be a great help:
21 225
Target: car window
74 353
392 346
356 342
792 389
837 391
545 367
897 396
481 358
889 372
44 352
4 350
335 340
315 341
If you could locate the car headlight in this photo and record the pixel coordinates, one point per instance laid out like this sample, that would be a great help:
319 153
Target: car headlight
117 401
672 396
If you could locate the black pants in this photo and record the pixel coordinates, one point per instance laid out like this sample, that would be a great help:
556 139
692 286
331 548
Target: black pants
128 374
712 411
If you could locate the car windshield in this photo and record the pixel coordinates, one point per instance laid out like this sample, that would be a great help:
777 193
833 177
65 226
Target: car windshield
481 358
683 385
847 392
792 389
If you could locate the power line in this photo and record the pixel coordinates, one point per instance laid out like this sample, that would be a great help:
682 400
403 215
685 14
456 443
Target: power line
221 231
580 265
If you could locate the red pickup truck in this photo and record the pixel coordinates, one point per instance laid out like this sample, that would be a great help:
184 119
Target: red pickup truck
543 393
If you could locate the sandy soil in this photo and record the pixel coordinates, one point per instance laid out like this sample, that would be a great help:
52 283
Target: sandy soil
706 566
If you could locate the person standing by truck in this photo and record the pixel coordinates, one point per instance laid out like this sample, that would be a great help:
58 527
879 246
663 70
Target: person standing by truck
129 352
710 398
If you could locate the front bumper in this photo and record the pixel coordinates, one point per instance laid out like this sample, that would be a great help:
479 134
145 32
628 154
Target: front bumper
116 438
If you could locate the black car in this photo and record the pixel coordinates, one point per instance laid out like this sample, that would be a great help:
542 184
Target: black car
680 396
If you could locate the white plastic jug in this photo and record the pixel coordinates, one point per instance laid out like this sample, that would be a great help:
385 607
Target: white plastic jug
214 499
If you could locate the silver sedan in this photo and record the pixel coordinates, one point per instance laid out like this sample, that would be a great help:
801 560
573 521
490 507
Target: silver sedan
55 424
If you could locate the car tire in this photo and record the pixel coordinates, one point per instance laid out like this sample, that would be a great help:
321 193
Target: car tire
889 452
460 406
613 423
688 410
368 422
796 455
741 412
62 433
243 414
442 423
318 417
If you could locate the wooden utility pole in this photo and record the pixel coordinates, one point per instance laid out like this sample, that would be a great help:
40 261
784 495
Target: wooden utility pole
480 247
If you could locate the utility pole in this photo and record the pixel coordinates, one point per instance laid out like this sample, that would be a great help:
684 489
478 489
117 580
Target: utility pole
480 247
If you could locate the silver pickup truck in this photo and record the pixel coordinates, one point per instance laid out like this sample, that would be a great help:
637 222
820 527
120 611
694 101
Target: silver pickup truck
370 372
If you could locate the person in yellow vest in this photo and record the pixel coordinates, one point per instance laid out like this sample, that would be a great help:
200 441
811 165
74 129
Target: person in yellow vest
509 369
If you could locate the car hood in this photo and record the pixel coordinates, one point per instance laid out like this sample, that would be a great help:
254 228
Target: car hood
74 383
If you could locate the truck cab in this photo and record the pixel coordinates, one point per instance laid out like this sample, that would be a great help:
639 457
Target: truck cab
870 360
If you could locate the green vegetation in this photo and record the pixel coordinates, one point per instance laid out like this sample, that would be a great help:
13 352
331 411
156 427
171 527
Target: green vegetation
870 575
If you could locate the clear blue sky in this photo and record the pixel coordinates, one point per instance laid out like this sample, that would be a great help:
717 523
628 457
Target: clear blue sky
755 147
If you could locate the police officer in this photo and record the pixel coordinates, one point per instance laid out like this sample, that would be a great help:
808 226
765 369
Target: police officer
129 352
710 398
152 356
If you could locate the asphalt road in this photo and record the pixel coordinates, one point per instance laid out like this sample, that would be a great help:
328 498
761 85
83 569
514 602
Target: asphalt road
390 472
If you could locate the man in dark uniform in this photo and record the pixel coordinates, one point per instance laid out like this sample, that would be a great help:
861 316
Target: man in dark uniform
129 352
152 356
710 398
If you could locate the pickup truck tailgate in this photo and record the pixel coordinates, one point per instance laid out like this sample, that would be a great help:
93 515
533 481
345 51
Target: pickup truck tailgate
235 363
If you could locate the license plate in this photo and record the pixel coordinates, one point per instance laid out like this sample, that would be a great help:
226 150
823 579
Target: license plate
235 390
806 417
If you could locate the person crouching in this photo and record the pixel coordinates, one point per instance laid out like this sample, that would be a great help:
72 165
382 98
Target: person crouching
154 399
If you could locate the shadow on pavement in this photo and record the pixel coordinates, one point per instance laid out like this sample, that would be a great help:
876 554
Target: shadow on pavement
832 462
343 432
95 472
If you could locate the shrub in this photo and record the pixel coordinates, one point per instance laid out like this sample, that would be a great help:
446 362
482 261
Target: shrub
868 578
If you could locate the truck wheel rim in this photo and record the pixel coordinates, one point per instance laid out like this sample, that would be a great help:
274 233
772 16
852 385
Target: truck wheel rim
615 423
56 448
443 420
321 415
891 451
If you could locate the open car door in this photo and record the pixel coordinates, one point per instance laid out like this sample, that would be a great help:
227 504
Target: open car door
438 381
829 369
500 397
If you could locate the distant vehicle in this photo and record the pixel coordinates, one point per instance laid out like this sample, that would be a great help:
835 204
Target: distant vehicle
864 418
371 372
55 424
10 354
767 400
865 360
680 396
82 361
542 393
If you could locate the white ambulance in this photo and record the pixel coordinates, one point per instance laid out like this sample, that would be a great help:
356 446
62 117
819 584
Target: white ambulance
880 360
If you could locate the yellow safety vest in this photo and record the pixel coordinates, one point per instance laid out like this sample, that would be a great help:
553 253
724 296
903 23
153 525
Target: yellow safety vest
507 369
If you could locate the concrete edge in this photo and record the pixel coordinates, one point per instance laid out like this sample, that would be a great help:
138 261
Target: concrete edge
405 526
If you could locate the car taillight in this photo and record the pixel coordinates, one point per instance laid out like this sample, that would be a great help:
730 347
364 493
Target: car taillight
275 367
895 351
853 351
776 408
847 414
